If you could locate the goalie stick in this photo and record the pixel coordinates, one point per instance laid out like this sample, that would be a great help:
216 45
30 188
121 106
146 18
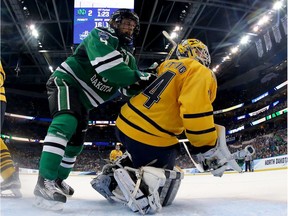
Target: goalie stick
197 165
174 45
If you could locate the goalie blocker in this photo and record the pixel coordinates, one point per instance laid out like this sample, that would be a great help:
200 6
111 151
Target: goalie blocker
143 190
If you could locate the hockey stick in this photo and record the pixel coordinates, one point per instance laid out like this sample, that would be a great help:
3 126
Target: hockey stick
167 36
197 165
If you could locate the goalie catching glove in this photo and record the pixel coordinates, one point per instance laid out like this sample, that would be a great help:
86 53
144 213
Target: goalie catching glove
247 151
217 159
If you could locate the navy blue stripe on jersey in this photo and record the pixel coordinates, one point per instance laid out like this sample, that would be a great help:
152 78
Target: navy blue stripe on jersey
4 151
66 162
5 158
2 74
7 166
149 120
133 125
119 56
55 145
198 115
87 92
201 131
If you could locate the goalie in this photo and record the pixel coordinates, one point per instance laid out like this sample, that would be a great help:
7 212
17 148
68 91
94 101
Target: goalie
146 178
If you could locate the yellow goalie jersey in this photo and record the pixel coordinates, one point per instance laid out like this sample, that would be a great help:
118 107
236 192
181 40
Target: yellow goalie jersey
114 154
2 79
179 99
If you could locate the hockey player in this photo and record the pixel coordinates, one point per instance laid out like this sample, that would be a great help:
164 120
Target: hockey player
100 65
115 153
180 99
9 173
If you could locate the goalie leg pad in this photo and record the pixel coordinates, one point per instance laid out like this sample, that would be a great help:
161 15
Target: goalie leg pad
101 183
145 197
104 183
154 178
136 200
169 191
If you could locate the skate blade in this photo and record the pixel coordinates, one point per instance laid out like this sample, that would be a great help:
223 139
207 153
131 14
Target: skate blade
11 193
17 193
40 202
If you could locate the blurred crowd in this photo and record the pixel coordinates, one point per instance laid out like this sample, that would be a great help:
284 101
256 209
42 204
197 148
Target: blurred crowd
93 158
269 138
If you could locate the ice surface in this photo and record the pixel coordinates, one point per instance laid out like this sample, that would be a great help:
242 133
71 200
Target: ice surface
246 194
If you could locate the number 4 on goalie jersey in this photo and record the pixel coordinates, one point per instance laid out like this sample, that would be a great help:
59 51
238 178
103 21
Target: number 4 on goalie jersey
155 89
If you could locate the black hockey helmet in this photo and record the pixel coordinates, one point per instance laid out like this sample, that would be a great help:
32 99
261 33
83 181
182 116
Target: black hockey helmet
116 19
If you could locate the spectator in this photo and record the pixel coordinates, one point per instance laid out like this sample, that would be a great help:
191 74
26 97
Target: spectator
115 153
248 163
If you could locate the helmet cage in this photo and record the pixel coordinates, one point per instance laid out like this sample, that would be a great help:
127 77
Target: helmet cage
117 18
193 48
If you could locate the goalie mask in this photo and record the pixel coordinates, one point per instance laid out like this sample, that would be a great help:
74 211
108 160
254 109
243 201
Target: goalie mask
130 21
193 48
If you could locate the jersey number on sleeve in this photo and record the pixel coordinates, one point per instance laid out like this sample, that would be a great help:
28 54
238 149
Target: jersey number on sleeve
155 89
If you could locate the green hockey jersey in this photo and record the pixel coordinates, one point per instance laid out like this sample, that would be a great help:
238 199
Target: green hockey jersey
99 67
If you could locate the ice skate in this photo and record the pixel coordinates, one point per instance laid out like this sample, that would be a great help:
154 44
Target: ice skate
47 196
10 187
64 187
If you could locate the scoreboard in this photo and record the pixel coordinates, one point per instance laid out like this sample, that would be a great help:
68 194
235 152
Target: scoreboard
89 14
